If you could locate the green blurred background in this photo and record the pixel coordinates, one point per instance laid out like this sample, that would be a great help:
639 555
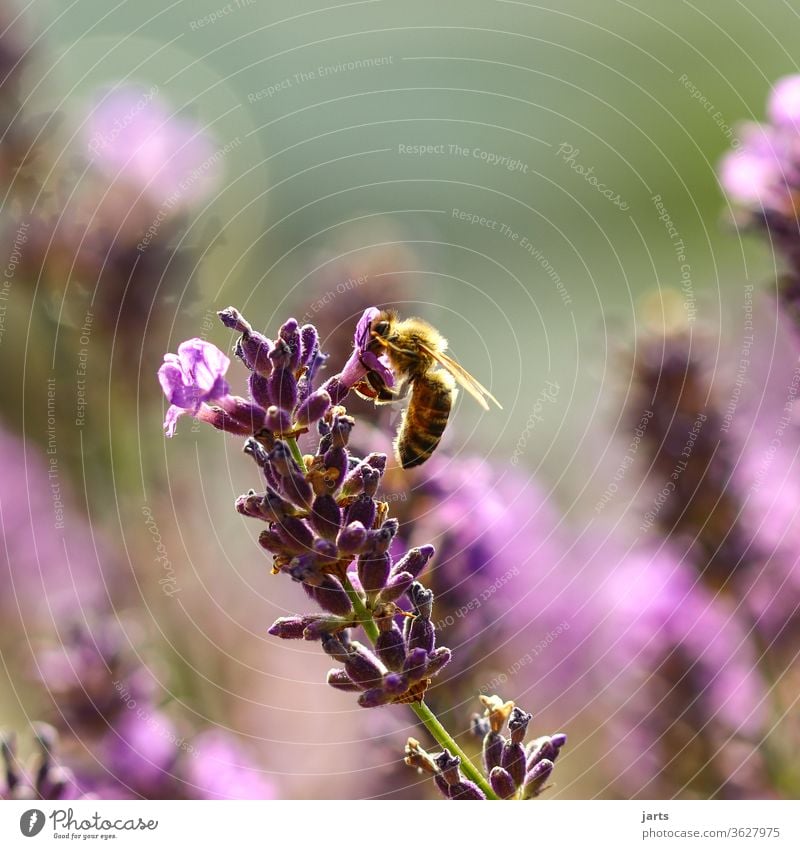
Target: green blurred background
314 106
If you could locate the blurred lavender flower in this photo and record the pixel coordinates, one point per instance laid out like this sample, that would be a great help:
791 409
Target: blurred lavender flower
105 701
133 137
43 777
515 771
106 230
688 706
690 456
50 560
762 178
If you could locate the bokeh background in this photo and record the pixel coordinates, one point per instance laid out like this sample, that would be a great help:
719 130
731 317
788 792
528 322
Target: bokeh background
540 182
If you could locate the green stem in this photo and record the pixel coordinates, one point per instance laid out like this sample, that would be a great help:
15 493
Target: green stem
439 733
363 616
425 715
295 451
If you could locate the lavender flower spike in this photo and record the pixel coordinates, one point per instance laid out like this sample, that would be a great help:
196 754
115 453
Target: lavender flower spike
516 778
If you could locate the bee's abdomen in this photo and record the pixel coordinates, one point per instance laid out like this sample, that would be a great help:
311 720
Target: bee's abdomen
425 419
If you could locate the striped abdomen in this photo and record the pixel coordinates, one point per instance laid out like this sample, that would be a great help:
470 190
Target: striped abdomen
425 419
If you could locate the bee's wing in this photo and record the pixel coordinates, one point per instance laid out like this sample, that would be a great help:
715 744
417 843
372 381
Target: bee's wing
478 391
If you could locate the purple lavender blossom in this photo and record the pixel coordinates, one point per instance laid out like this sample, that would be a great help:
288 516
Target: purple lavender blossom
192 377
132 136
322 513
762 178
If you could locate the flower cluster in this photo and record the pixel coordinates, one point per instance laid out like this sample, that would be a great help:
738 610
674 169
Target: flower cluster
514 770
42 777
690 455
108 702
762 177
322 510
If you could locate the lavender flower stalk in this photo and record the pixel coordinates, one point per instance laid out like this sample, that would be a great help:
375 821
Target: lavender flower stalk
326 527
514 771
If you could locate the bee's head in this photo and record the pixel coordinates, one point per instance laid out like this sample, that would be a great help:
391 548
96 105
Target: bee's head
382 325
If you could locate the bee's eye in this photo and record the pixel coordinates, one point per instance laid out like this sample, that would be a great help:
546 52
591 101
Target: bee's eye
382 328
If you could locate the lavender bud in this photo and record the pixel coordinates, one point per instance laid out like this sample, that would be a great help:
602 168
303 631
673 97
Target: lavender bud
259 390
252 347
415 665
437 660
442 785
373 571
326 517
479 726
330 595
362 510
396 586
334 646
449 765
420 633
513 761
339 680
250 416
371 479
295 533
376 461
376 697
281 460
363 667
336 389
518 724
283 389
313 408
466 790
414 561
422 600
535 779
309 346
256 450
493 744
277 420
280 356
351 538
395 684
390 646
234 320
335 461
340 430
380 540
290 334
502 783
541 748
288 627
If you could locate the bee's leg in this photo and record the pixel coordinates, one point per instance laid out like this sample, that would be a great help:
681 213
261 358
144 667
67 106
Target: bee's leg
383 394
389 344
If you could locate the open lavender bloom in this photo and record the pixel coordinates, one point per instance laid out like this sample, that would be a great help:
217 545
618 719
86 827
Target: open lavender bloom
42 777
515 771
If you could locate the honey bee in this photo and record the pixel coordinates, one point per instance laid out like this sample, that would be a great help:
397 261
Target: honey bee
416 352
